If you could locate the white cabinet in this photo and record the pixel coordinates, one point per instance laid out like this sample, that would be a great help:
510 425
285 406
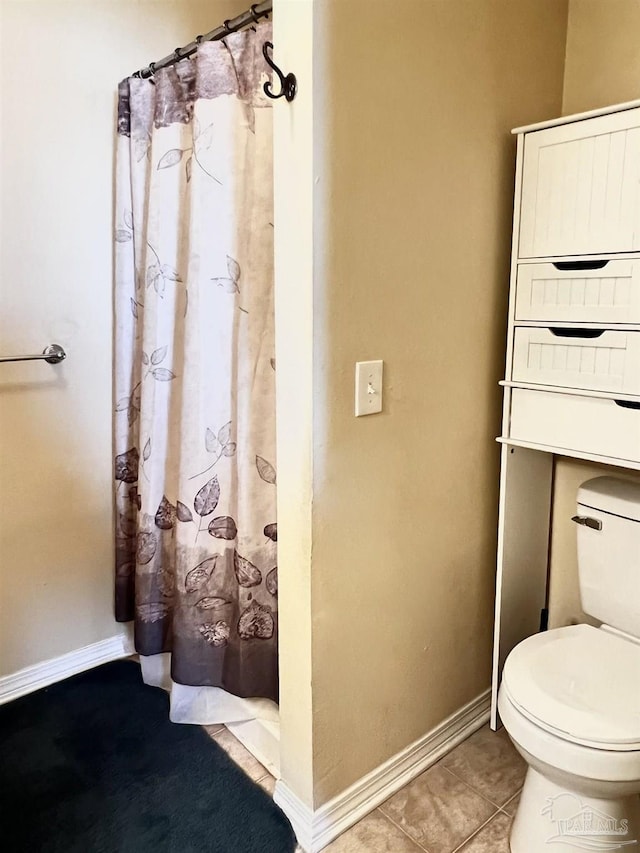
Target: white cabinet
581 187
574 320
572 383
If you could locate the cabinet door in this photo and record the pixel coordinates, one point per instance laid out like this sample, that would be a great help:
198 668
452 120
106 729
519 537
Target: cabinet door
581 188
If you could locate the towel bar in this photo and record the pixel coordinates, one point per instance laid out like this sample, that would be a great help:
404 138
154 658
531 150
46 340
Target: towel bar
53 354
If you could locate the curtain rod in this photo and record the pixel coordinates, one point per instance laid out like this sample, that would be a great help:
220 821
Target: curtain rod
232 25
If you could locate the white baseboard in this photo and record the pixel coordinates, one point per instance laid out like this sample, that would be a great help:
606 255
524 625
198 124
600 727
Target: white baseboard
300 815
262 739
56 669
316 829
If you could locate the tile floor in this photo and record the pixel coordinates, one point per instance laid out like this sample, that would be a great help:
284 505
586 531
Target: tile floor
462 804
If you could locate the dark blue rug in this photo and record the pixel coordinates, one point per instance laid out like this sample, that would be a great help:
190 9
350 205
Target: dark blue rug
93 765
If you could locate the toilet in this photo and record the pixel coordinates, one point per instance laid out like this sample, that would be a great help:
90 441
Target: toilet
570 697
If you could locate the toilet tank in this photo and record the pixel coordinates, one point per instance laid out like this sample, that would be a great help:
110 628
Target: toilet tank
609 552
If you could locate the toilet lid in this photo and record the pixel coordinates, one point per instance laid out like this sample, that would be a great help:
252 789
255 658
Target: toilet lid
580 682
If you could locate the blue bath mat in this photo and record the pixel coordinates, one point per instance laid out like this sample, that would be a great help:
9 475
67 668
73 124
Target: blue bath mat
93 765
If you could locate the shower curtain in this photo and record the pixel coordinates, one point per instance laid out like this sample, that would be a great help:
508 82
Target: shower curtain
195 476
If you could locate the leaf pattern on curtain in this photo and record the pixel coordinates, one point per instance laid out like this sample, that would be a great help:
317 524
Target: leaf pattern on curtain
196 564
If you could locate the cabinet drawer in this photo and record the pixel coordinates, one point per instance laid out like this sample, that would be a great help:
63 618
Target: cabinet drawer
609 293
608 362
581 187
588 424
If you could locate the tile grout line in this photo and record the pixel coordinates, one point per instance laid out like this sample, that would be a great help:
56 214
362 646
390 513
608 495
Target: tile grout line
480 828
480 794
477 831
503 807
227 752
496 810
397 825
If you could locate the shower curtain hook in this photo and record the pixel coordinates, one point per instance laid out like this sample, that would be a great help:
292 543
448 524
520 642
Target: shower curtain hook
254 14
289 83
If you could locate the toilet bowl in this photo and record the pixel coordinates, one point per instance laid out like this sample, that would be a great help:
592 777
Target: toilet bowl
570 697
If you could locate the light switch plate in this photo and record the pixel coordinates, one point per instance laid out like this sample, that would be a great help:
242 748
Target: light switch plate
368 387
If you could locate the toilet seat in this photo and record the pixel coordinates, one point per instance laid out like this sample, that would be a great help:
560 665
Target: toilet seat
579 683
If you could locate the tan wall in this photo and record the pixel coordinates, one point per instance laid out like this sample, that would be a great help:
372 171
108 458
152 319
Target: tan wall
602 67
421 98
61 61
603 54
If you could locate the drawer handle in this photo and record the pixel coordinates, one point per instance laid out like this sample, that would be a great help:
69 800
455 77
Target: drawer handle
579 265
562 332
627 404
